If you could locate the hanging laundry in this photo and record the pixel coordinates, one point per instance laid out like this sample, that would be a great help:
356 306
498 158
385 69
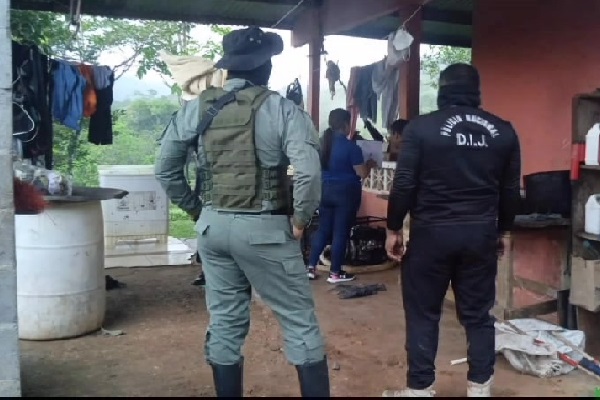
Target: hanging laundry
101 124
385 80
364 96
102 77
193 74
68 94
90 101
351 104
32 117
333 75
294 93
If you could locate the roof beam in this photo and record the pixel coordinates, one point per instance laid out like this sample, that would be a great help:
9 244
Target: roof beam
99 9
448 16
337 16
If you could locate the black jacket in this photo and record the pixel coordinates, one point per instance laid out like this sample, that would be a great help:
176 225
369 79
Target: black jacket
456 165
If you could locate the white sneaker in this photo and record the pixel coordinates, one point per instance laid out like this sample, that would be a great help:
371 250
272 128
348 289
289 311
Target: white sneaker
429 392
480 389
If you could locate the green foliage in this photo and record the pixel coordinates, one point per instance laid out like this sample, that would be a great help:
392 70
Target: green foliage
143 40
137 124
439 57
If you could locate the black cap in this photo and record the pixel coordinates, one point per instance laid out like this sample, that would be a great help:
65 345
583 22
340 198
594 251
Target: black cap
460 75
249 48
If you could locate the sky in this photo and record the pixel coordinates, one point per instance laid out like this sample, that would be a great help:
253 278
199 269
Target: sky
293 62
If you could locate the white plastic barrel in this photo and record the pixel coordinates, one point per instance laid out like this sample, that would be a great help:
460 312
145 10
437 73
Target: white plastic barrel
592 215
592 145
61 288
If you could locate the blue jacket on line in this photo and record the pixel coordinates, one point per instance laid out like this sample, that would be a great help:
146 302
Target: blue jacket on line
67 102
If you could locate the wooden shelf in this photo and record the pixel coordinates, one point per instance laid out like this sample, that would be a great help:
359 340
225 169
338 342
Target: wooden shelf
524 222
588 236
591 167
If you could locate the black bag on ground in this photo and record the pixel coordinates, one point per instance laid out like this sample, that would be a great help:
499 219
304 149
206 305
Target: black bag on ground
366 246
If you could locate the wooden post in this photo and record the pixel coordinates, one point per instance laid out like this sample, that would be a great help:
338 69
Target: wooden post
10 382
410 72
314 80
504 281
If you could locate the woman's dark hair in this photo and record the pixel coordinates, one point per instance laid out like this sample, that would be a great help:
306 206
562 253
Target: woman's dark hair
398 126
339 119
259 76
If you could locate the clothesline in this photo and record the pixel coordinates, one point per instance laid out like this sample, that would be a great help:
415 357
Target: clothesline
48 89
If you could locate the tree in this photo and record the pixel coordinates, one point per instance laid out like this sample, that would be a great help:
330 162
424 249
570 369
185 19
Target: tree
140 43
439 57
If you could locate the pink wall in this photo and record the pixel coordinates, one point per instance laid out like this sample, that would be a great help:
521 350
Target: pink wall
534 56
372 206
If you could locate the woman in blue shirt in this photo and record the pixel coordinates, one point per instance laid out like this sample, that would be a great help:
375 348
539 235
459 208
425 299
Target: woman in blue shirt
343 168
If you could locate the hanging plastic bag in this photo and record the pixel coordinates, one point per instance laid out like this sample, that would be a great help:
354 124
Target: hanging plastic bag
399 44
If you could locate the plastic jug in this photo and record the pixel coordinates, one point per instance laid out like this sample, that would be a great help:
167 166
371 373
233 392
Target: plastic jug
592 215
592 145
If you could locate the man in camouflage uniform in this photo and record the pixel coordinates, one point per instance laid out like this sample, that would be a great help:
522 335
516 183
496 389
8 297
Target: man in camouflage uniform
246 137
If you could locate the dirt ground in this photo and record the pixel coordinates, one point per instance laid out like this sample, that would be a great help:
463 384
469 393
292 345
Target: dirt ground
161 354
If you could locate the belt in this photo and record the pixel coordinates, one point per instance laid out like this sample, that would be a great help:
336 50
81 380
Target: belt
282 211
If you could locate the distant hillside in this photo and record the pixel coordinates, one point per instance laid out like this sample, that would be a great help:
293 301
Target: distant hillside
127 86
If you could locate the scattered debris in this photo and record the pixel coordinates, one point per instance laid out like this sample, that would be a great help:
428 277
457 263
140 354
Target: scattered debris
393 361
274 347
112 283
336 366
459 361
106 332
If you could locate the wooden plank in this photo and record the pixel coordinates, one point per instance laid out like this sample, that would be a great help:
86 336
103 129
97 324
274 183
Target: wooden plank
523 222
535 287
588 236
545 308
590 167
314 78
504 287
341 16
589 322
410 72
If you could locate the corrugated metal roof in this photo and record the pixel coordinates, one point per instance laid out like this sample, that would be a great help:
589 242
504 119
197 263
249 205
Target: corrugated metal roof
445 21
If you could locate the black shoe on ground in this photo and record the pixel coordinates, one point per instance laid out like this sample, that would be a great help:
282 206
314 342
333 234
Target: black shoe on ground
200 280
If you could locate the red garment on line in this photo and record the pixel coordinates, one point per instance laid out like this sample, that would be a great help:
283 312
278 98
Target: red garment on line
350 99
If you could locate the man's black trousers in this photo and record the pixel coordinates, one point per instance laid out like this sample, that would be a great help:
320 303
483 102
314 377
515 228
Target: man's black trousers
462 255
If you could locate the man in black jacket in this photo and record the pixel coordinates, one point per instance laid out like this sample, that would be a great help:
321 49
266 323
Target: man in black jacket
459 177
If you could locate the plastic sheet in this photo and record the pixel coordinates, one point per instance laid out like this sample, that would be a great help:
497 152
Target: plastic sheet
531 358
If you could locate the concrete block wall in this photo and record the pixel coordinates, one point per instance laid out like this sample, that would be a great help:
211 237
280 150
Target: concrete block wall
10 381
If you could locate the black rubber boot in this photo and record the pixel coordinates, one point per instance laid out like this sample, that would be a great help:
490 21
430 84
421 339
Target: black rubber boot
229 379
314 379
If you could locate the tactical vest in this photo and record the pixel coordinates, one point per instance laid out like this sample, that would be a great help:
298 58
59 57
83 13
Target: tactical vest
234 180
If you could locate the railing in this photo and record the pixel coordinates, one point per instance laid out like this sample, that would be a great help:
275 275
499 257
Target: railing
380 180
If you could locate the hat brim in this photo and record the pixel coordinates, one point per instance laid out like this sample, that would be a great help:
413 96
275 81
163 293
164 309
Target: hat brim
272 46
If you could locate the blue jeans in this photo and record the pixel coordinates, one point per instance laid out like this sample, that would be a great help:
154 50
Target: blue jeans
337 213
